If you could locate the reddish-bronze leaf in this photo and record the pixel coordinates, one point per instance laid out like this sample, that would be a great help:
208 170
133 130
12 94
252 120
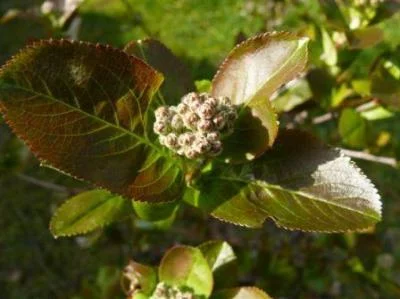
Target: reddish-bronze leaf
83 108
178 81
250 74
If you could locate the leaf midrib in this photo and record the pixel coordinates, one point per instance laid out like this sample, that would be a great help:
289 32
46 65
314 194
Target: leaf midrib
139 138
301 193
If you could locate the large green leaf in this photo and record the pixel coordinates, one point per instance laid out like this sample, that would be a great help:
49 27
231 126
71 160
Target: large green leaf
300 184
250 74
241 293
83 108
185 266
222 261
178 80
88 211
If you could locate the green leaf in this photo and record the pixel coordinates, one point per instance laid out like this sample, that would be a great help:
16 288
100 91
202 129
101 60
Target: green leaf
155 211
185 266
385 84
352 128
241 293
203 85
329 55
250 74
83 108
178 80
88 211
144 275
295 95
300 184
222 261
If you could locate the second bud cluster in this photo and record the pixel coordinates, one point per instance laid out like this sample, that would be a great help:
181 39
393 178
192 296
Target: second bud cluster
194 127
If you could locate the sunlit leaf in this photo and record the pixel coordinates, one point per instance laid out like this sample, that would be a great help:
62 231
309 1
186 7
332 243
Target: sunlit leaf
178 80
329 55
300 183
241 293
352 128
222 261
296 94
250 74
155 211
386 87
185 266
88 211
83 109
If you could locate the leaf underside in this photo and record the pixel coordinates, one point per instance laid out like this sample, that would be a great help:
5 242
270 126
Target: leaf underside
300 184
250 74
83 109
178 80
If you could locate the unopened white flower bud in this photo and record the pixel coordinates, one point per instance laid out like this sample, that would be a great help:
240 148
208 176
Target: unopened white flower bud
219 121
186 139
191 153
182 108
206 111
177 123
162 112
160 127
213 136
190 120
205 125
187 99
212 102
171 141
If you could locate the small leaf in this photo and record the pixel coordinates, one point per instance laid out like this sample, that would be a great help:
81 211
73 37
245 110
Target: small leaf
385 85
252 72
222 261
300 183
203 85
155 211
296 94
329 55
185 266
83 109
352 128
88 211
178 80
241 293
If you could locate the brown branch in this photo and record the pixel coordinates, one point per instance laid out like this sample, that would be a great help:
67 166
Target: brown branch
369 157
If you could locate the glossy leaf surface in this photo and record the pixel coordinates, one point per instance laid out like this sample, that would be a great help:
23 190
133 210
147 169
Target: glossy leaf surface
83 109
185 266
241 293
300 184
88 211
178 80
250 74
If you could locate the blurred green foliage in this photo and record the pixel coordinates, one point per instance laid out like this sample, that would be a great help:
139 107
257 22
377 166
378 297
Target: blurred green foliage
349 98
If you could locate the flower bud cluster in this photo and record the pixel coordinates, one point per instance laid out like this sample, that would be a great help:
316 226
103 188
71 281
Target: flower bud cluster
195 126
163 291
